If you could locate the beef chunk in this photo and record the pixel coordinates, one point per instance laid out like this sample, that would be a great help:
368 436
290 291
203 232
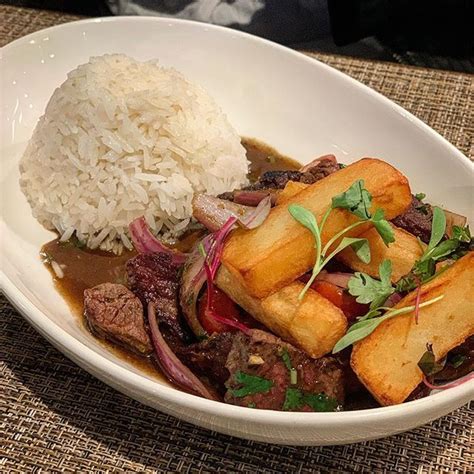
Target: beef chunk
207 358
322 169
274 180
278 179
155 278
262 354
115 313
416 219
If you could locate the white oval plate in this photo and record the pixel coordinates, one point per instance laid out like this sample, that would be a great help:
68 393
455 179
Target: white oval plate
294 103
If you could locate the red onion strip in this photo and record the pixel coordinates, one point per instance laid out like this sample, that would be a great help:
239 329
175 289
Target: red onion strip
145 242
339 279
456 383
229 322
198 268
316 161
171 366
253 198
256 218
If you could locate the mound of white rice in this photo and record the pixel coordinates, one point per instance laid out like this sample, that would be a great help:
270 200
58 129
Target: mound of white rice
121 139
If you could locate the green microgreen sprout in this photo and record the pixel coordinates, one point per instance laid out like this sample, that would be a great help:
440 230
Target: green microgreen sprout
356 200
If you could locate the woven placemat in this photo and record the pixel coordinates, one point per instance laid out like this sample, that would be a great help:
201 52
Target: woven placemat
57 418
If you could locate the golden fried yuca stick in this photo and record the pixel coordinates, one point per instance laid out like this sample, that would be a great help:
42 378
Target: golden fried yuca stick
386 362
314 324
403 253
274 254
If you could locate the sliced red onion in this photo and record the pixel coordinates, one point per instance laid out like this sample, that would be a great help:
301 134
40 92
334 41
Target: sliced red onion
316 162
392 300
445 386
171 366
258 216
193 278
339 279
213 212
230 322
253 198
145 242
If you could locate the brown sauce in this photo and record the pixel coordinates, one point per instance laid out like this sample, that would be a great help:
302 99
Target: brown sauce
265 158
84 268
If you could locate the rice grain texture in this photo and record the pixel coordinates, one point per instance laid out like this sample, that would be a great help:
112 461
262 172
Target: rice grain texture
120 139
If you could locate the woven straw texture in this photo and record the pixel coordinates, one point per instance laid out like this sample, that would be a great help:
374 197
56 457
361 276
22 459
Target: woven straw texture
54 417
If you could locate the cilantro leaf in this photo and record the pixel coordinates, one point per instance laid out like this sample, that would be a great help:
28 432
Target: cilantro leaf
427 362
406 283
293 399
423 269
251 384
456 360
420 196
356 199
321 402
463 234
370 290
383 227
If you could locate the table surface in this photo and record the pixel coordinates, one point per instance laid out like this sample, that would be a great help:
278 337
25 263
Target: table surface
55 417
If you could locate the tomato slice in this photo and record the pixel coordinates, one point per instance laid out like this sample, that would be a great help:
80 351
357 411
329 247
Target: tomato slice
341 298
220 304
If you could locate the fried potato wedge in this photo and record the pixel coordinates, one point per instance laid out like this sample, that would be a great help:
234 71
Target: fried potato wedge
313 324
274 254
403 253
386 362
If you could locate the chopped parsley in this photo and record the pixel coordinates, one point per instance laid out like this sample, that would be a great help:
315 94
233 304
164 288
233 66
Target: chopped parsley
462 234
251 384
456 360
420 196
424 209
295 399
427 362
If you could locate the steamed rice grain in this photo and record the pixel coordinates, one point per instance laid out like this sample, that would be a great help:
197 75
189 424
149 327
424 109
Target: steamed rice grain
120 139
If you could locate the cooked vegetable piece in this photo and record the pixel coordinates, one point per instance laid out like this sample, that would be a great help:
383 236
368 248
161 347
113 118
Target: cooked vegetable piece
314 324
266 259
387 361
291 189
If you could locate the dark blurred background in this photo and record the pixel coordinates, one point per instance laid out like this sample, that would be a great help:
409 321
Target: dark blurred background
437 33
